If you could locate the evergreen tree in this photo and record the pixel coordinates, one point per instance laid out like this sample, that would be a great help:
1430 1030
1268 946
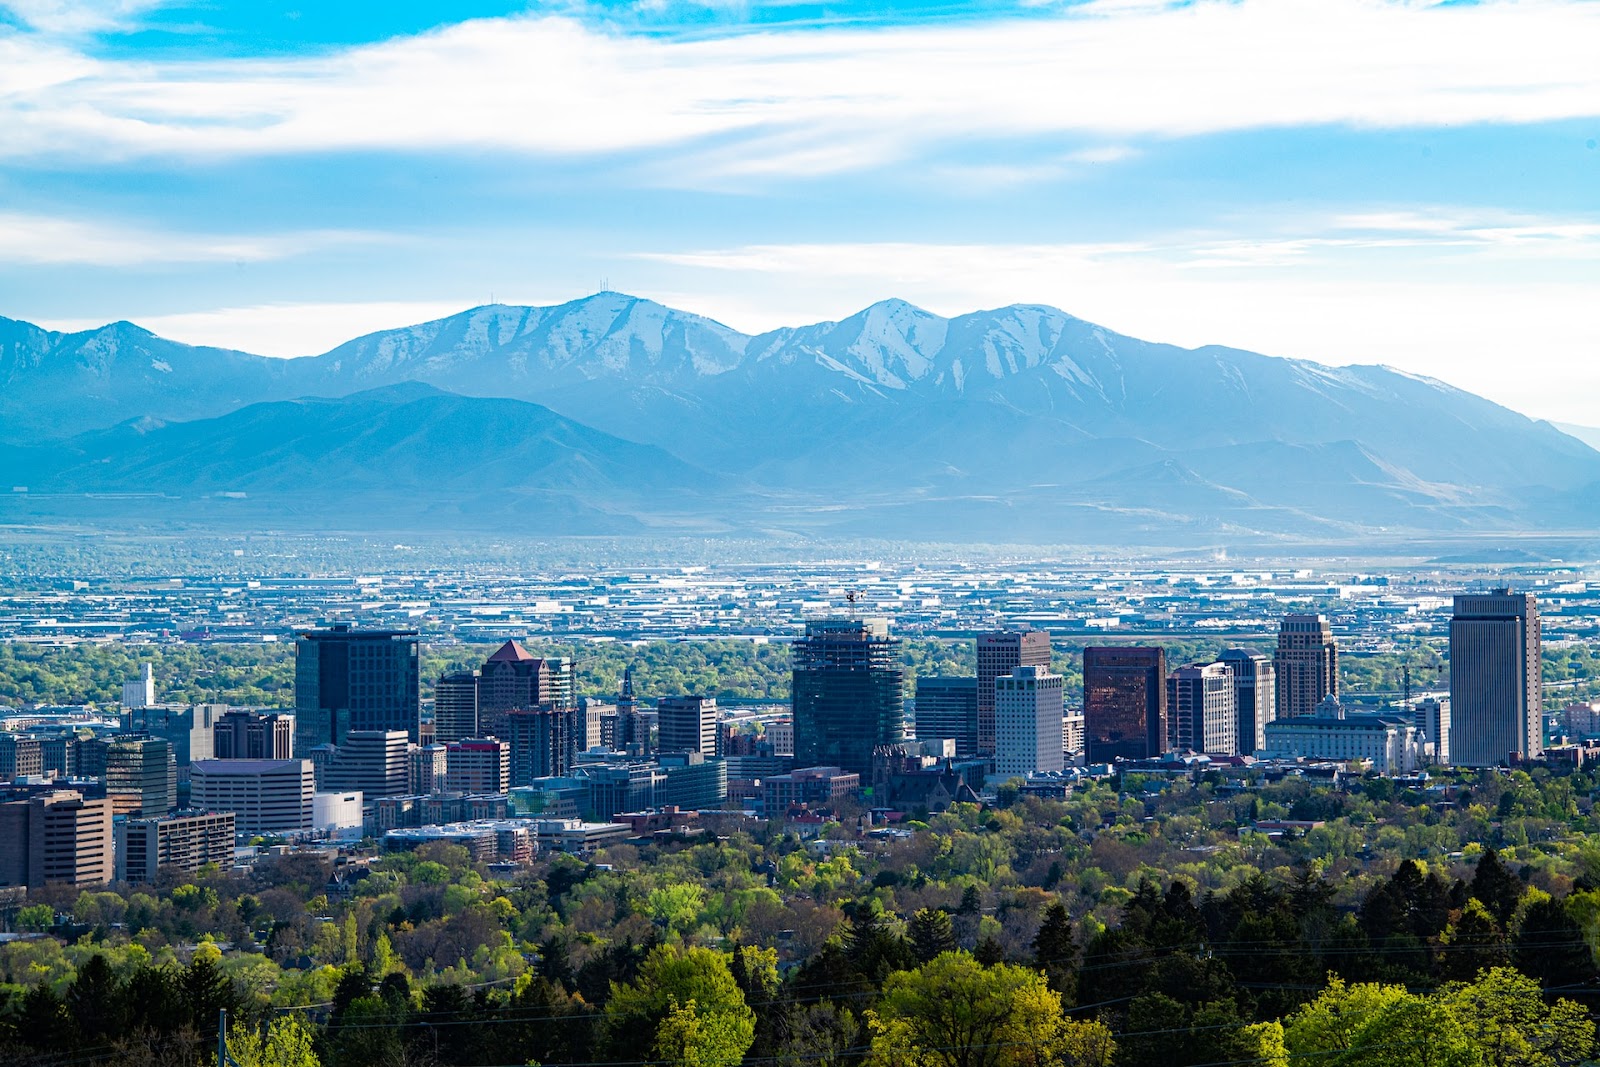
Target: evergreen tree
1055 952
1496 888
931 932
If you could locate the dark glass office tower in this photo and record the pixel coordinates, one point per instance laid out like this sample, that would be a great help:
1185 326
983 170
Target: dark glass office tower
455 707
251 735
947 707
347 679
1124 703
1496 679
848 693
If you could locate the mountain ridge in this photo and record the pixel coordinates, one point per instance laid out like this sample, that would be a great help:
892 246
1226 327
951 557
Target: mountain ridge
892 403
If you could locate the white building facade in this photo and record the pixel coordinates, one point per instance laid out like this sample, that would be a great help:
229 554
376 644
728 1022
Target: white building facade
1029 705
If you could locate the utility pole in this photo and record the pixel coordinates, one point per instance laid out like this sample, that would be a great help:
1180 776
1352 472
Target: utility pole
223 1059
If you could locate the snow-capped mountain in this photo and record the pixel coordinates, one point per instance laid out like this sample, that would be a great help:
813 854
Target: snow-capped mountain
917 414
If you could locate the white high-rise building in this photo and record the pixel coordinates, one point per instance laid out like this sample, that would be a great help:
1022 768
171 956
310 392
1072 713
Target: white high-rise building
142 693
1201 712
1029 705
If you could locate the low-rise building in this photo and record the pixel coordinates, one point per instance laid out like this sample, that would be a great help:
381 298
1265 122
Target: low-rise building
180 843
337 814
266 796
807 787
1388 742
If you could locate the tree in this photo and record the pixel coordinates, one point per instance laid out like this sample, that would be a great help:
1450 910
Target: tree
1472 943
931 933
681 995
1372 1025
1497 888
1508 1021
36 918
954 1012
1054 950
1549 946
285 1042
95 1000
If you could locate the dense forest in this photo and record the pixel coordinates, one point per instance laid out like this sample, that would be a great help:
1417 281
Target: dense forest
733 671
1136 923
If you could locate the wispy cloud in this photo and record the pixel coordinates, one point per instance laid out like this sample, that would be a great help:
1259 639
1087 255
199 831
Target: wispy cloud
78 16
52 240
835 99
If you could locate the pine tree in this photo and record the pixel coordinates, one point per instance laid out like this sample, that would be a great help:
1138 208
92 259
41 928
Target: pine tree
1496 888
931 932
1054 950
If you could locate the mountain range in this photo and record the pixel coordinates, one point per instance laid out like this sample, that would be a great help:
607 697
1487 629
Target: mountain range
616 414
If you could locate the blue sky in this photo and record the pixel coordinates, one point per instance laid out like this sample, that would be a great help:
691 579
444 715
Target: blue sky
1350 181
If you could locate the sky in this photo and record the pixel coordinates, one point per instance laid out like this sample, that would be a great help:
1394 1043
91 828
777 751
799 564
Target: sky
1351 181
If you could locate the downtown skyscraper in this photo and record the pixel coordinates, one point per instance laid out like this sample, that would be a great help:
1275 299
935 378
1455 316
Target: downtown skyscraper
1124 703
347 679
999 653
848 692
1307 665
1496 679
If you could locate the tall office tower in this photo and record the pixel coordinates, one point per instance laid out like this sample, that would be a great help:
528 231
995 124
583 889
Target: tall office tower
1307 664
266 796
377 762
478 765
347 679
687 724
141 776
455 706
1255 696
848 691
177 843
1432 720
253 735
1201 713
1496 679
631 733
1029 705
947 707
429 766
141 693
56 839
999 652
1124 703
513 679
542 744
20 756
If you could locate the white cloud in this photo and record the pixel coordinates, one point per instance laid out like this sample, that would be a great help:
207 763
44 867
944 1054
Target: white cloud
78 16
840 99
50 240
